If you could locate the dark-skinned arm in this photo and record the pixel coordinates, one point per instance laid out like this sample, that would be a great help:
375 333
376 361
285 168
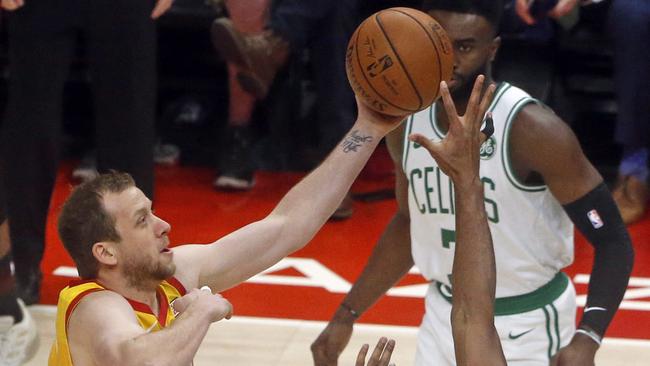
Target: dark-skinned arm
476 341
542 143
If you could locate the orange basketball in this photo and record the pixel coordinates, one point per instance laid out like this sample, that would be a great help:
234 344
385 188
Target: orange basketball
396 59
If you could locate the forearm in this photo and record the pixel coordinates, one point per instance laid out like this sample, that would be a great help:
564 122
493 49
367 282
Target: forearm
474 269
307 206
605 290
390 261
174 345
474 281
597 217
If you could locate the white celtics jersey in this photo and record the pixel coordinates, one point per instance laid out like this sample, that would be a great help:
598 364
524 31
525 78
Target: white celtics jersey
532 235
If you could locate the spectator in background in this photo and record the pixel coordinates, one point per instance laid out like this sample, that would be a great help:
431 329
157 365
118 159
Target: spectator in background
235 165
121 38
630 28
18 334
629 24
322 26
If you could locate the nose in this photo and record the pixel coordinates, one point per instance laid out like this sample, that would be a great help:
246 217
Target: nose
163 227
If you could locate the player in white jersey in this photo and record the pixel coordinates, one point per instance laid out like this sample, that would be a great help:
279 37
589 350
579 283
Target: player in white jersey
537 184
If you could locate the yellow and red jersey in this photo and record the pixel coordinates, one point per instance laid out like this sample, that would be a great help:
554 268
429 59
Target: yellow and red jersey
70 296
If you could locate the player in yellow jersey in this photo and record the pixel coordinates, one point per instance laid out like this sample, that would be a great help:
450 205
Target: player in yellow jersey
138 301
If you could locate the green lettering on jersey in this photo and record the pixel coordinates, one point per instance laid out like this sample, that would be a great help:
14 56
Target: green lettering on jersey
428 189
448 236
417 172
491 208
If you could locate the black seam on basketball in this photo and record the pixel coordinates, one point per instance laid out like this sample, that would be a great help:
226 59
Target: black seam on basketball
363 73
406 72
435 46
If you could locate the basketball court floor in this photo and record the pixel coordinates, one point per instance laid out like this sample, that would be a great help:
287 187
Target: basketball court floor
280 312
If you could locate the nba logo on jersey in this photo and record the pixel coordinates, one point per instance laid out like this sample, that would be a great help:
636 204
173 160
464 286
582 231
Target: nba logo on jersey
596 222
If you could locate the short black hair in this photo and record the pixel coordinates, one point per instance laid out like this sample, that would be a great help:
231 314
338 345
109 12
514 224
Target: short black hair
488 9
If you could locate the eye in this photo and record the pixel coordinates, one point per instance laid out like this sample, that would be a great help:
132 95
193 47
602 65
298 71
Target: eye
464 48
142 220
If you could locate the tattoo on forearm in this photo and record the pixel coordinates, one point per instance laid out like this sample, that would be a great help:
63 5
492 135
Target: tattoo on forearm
353 141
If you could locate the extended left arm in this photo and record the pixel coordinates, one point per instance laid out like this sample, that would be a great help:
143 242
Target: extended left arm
544 144
294 221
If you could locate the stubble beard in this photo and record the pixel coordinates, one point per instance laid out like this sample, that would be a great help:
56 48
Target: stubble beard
463 91
143 274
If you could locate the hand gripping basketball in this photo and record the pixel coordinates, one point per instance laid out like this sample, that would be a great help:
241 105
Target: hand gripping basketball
396 59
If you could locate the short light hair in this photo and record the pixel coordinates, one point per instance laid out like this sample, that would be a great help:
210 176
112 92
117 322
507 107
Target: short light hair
84 220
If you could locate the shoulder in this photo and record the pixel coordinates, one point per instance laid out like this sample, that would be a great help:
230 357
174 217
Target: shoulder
98 306
100 321
535 119
542 142
537 132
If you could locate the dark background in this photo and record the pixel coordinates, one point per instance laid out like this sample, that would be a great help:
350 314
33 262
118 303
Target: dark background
571 71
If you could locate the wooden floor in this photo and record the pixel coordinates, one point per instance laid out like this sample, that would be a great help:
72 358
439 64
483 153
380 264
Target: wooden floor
254 341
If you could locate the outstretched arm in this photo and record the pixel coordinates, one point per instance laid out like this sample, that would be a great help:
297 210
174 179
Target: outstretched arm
295 220
476 341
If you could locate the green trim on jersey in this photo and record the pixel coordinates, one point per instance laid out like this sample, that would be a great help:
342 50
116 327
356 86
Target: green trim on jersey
507 165
407 143
549 332
522 303
557 328
501 90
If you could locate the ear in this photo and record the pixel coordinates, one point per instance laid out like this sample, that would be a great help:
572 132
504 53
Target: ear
105 253
494 48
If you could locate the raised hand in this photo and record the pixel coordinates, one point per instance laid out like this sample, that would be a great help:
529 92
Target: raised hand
380 356
457 154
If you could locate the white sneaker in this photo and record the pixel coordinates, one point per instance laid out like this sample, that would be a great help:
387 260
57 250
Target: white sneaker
18 342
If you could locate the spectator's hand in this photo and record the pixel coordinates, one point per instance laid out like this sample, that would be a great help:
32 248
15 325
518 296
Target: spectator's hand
380 356
205 302
562 8
12 5
161 7
458 153
331 342
522 8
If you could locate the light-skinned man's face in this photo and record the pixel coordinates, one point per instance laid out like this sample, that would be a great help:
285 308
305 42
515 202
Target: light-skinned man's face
475 47
143 256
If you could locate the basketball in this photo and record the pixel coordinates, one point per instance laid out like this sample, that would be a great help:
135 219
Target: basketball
396 60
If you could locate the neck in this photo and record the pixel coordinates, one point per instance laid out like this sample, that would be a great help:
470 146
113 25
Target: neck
144 292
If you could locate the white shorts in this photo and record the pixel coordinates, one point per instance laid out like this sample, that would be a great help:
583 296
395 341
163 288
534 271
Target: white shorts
528 338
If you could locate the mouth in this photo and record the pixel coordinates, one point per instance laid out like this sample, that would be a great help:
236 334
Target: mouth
165 249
